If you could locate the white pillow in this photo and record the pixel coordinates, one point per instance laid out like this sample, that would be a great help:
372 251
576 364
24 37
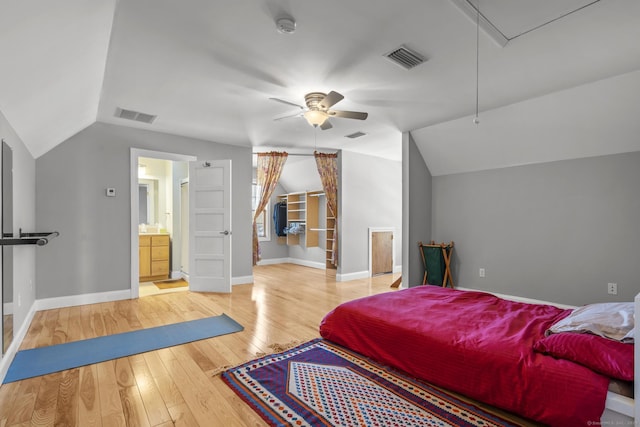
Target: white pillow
610 320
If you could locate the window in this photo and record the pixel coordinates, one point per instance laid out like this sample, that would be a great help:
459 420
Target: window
262 223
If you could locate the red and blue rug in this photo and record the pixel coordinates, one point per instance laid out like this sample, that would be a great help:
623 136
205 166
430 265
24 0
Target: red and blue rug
322 384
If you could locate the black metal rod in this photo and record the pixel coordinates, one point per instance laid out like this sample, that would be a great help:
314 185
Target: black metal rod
39 239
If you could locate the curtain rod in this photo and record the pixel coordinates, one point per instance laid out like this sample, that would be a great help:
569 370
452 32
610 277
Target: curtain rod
296 154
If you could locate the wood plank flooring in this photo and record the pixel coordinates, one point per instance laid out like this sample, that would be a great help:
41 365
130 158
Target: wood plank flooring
174 386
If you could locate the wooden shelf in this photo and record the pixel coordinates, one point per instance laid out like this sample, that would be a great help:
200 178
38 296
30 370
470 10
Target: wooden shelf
301 209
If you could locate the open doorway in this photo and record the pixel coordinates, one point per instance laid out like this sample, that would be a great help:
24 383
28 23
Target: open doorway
158 238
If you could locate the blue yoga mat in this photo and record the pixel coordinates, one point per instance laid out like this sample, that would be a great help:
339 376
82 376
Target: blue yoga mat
45 360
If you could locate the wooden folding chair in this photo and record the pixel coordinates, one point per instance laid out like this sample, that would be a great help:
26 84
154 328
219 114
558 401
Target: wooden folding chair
436 259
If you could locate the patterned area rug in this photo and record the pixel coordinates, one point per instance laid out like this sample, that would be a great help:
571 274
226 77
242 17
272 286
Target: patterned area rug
322 384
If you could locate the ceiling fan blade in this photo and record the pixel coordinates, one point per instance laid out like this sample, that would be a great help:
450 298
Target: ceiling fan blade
331 99
288 116
287 102
326 125
348 114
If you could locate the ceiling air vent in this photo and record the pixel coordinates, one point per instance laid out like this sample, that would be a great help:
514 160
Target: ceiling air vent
135 115
355 135
405 57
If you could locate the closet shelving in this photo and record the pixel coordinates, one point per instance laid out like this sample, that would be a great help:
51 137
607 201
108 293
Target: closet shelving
331 226
303 208
302 214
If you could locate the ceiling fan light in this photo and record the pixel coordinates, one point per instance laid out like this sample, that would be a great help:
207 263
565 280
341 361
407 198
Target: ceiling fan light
316 117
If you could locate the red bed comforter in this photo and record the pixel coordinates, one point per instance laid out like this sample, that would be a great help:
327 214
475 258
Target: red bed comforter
473 343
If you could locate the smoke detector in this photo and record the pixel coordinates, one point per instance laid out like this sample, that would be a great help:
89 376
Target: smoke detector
286 25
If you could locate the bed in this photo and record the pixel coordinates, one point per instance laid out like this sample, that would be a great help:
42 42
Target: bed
481 346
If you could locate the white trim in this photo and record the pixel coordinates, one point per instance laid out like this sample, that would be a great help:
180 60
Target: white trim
241 280
393 245
133 190
619 404
397 269
297 261
82 299
307 263
7 308
272 261
7 358
352 276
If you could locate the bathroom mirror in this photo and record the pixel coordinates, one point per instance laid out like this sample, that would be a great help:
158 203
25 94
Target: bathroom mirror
7 251
148 201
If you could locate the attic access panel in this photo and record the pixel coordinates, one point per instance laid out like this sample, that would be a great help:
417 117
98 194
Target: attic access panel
514 18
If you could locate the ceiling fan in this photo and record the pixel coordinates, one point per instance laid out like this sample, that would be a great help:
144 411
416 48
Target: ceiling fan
318 110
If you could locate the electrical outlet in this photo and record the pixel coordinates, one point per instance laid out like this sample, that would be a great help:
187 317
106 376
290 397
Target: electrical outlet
612 288
481 272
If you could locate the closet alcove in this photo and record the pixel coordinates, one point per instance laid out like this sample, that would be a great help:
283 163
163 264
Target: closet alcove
300 192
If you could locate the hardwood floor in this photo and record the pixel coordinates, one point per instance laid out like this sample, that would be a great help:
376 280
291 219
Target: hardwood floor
174 386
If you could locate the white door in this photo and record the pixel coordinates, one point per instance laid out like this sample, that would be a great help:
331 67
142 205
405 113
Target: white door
210 226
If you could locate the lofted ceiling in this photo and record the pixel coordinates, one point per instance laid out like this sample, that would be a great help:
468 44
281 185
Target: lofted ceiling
207 68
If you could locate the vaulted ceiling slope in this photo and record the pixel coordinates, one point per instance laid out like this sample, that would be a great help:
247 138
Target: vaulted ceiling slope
208 68
53 56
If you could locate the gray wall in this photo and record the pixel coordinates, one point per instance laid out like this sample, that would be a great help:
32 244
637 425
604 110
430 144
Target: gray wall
92 253
370 195
556 231
416 217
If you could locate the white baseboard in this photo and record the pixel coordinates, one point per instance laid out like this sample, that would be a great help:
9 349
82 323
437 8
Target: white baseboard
397 269
7 308
352 276
297 261
241 280
307 263
18 336
72 300
273 261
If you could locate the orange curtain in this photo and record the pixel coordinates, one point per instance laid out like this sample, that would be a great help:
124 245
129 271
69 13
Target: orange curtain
328 169
268 174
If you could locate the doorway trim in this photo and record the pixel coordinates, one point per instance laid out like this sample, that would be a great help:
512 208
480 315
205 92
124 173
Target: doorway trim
133 191
393 247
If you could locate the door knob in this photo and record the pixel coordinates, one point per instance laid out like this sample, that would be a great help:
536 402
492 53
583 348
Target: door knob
225 232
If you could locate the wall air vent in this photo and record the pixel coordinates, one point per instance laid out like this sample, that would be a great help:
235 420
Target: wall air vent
135 115
405 57
355 135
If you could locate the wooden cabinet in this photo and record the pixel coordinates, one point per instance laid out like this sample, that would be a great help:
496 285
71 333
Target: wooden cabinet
154 257
145 256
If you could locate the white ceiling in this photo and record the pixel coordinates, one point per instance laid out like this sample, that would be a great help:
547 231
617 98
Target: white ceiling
207 69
